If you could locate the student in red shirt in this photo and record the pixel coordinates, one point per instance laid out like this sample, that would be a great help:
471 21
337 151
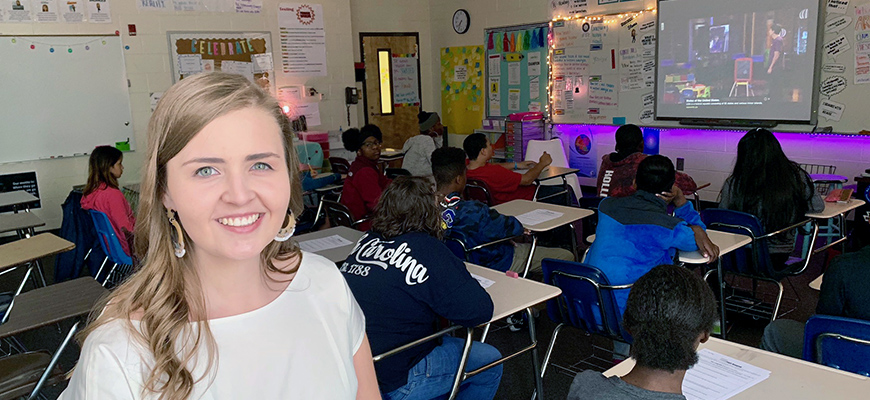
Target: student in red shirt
618 169
365 182
102 194
505 184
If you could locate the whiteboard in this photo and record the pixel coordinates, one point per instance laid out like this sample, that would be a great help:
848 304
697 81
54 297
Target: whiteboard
61 96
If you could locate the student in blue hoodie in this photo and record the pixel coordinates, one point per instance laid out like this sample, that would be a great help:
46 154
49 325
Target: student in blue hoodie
635 233
474 223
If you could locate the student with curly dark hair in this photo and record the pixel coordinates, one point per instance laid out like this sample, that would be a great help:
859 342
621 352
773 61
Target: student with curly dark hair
670 312
365 182
405 279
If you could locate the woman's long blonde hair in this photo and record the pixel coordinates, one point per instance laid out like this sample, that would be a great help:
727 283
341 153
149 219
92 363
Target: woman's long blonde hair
166 290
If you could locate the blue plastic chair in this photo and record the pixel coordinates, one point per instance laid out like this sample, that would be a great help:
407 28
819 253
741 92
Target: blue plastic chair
111 245
586 302
838 342
753 260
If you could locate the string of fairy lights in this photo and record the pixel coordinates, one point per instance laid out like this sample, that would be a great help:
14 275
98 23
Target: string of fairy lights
602 18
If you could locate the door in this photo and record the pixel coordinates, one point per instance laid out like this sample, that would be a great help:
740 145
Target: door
391 90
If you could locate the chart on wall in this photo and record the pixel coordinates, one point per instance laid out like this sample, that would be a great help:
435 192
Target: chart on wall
462 101
516 69
572 8
604 69
245 53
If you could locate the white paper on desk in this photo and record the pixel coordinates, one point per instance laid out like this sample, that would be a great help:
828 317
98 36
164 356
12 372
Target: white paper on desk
484 283
538 216
719 377
326 243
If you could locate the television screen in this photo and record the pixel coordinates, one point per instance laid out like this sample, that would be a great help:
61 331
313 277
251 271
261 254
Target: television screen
737 59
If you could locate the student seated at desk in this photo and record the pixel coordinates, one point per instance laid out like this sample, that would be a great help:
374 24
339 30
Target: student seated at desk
101 193
670 312
635 233
843 294
312 180
767 184
365 182
474 223
404 279
505 184
618 169
418 149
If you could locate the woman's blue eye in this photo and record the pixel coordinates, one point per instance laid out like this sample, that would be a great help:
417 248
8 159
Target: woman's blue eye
206 171
261 166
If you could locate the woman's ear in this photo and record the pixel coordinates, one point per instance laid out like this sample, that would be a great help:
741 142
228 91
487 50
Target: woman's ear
167 201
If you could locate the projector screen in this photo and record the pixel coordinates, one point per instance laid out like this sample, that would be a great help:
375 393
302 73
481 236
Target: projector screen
738 59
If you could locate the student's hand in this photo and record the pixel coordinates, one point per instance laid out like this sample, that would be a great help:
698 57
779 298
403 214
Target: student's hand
343 176
546 159
675 195
313 172
705 246
526 231
525 164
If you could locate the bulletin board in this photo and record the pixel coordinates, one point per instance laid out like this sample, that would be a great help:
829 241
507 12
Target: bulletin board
245 53
604 69
462 88
516 69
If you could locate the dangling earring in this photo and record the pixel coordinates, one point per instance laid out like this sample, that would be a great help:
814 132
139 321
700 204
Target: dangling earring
287 230
178 242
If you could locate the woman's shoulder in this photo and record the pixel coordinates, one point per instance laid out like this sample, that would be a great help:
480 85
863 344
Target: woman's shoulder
110 346
319 269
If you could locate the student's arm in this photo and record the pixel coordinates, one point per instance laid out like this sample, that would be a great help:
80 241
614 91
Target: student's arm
690 235
118 210
369 185
367 381
832 297
816 203
532 174
773 62
499 226
454 294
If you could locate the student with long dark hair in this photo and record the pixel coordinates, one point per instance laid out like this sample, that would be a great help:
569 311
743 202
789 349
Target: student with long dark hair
405 279
101 193
767 184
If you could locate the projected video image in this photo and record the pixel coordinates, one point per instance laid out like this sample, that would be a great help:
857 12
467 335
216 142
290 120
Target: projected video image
735 60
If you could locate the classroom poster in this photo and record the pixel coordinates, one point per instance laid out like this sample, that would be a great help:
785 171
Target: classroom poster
18 10
494 91
233 52
462 101
187 5
98 11
515 58
577 140
72 11
303 39
46 10
406 87
862 44
249 6
159 5
573 8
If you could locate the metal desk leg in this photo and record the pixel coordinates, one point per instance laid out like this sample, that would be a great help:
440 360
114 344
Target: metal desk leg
722 328
531 254
536 365
53 362
40 273
460 373
574 241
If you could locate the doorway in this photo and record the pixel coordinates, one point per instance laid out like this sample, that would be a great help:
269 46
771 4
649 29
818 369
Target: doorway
391 89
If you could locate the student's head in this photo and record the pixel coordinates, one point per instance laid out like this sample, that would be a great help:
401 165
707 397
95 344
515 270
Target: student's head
629 139
430 123
365 142
105 166
221 164
448 168
655 174
407 205
775 30
477 145
670 310
759 146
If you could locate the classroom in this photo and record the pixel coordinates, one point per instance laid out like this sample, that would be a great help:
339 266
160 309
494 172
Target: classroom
571 145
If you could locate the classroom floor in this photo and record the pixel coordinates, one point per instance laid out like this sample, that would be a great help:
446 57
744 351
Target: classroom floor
517 382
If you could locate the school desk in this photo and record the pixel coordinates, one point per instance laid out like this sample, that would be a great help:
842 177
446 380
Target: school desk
335 254
22 223
32 249
833 210
790 378
17 199
551 172
569 216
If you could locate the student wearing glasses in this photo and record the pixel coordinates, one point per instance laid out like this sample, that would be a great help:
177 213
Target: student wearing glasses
365 182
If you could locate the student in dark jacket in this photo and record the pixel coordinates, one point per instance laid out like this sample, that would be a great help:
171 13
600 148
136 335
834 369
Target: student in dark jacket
618 169
404 279
474 223
636 233
365 182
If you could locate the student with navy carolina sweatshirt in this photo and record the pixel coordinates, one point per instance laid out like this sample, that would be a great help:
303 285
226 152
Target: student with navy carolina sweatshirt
404 279
635 233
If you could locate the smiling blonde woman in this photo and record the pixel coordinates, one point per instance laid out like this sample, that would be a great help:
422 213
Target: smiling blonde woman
224 305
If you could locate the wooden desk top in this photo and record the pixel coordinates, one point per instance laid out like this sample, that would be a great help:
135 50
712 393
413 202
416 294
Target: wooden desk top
14 222
817 283
337 254
33 248
16 198
834 209
727 243
510 295
790 378
519 207
389 154
51 304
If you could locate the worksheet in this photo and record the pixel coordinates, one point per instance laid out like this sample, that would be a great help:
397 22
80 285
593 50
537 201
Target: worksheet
719 377
538 216
326 243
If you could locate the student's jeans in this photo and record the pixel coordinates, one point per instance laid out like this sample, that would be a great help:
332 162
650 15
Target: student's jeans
432 377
